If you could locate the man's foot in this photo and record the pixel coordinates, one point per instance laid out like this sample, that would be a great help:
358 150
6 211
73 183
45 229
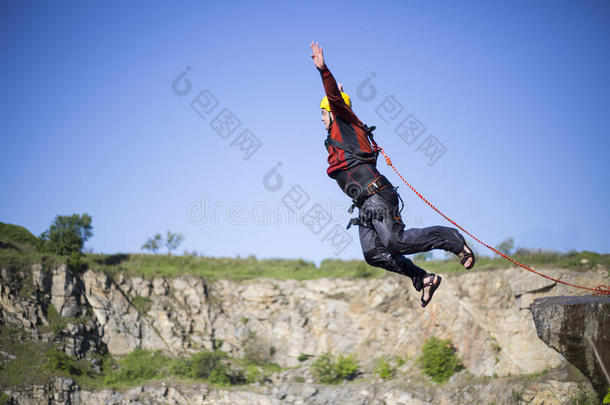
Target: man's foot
431 283
466 257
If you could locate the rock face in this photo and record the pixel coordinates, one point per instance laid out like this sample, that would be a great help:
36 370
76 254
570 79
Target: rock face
579 329
553 390
485 314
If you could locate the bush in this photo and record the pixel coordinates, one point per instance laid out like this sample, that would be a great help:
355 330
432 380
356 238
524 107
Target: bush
214 367
330 371
60 361
438 359
76 263
384 368
138 366
200 365
347 367
219 376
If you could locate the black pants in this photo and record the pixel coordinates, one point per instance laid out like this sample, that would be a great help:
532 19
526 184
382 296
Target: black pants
385 240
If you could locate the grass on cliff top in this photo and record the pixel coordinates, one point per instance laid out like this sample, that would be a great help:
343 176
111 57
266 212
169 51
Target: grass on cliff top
19 249
228 268
249 268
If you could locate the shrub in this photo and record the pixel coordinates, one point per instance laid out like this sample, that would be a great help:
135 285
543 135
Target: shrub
303 357
347 367
384 368
138 366
324 369
200 365
330 371
438 359
219 376
76 263
60 361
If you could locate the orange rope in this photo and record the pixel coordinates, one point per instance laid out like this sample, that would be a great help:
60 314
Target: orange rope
601 289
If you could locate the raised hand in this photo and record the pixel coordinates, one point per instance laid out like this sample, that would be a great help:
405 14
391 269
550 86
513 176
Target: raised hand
317 55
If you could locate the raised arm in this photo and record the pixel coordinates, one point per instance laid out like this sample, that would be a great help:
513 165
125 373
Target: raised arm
333 92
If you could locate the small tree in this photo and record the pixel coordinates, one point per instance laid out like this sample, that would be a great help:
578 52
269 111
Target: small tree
153 244
506 246
172 241
67 234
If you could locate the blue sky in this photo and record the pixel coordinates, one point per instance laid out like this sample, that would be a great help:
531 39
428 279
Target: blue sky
517 94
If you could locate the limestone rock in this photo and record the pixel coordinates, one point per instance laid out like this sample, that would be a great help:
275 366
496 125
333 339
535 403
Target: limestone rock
579 329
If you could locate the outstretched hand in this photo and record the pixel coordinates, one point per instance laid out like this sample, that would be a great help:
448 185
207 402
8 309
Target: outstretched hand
317 55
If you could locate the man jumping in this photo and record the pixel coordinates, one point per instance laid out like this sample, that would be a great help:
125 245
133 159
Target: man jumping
353 164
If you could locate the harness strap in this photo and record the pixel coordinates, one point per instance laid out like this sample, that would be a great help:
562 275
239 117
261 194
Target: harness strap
371 188
357 153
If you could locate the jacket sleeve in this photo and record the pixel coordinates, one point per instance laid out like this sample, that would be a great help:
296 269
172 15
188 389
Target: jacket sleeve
335 100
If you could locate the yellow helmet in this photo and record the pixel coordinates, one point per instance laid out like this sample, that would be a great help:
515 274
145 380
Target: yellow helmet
324 103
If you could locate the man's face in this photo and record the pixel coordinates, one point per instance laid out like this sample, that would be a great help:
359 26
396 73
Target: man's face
326 116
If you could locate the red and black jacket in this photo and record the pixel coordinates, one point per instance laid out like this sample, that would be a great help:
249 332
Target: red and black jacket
348 142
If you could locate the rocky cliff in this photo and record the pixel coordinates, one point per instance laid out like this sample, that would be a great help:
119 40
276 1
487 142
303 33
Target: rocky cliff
579 329
485 314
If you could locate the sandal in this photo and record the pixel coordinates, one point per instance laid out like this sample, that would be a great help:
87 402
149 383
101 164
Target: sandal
466 254
433 286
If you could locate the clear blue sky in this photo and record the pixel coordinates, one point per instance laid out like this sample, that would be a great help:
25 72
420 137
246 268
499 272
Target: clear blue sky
518 93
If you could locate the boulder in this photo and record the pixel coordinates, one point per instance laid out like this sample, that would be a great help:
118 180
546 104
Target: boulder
579 329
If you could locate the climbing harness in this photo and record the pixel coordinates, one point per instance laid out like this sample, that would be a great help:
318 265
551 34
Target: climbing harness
372 187
601 289
369 189
370 157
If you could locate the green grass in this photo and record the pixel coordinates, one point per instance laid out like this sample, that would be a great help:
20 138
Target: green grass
142 303
212 268
532 257
19 249
26 369
18 238
37 362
